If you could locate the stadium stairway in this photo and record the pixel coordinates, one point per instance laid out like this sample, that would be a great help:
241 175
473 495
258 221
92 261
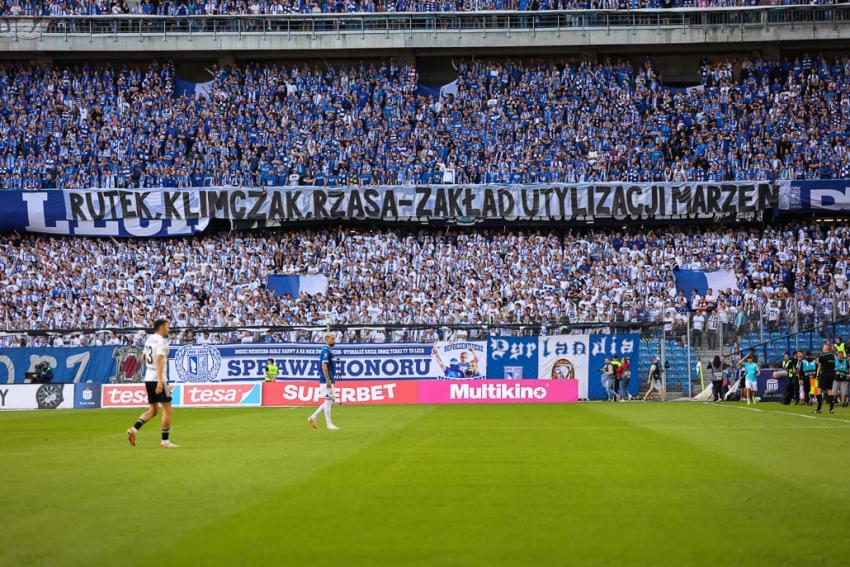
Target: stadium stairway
677 365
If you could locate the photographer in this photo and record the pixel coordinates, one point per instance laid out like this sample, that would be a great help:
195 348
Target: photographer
717 368
43 373
654 380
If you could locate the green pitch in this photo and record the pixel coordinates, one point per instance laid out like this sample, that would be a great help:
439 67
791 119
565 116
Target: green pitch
618 484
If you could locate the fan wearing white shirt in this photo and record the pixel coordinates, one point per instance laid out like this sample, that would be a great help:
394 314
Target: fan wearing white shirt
698 328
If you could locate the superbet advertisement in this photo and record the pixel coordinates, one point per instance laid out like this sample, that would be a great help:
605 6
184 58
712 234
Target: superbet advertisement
308 393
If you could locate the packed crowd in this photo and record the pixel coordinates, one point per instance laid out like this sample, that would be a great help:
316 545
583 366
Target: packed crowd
369 124
426 276
279 7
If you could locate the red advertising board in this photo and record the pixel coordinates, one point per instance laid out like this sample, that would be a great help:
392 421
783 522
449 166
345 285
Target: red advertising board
123 396
126 395
224 395
308 393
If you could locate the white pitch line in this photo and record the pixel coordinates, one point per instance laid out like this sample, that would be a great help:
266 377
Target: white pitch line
784 413
792 413
730 406
837 419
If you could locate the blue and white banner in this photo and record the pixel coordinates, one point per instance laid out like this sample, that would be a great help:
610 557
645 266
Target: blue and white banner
625 348
99 365
805 196
448 89
564 357
770 388
47 212
512 358
719 280
87 396
295 284
221 363
461 360
196 90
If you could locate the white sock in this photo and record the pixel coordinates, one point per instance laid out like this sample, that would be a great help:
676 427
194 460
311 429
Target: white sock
318 411
328 404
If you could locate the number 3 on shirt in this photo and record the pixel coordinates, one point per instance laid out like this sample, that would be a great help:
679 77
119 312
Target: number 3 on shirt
149 355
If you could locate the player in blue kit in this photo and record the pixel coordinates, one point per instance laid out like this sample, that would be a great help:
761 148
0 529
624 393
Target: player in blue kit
327 376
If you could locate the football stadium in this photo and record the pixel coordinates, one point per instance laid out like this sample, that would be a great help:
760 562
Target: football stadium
424 282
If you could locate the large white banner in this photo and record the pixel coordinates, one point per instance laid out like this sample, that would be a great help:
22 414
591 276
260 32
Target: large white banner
37 396
583 202
565 357
461 360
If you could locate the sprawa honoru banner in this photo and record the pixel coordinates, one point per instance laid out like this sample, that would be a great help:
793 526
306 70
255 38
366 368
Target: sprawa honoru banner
208 363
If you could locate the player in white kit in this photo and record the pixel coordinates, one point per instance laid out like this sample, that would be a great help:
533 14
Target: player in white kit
156 384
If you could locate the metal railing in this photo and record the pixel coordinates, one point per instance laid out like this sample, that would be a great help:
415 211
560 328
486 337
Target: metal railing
399 23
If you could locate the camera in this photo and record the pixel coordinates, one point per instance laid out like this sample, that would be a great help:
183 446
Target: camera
43 374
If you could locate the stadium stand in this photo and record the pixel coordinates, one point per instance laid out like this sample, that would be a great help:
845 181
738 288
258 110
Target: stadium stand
792 275
371 124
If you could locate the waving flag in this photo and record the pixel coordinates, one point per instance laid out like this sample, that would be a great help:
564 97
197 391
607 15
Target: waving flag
295 284
198 90
720 280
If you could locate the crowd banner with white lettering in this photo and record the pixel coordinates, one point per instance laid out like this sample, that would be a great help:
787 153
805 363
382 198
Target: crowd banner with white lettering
461 360
221 363
565 357
98 364
512 358
806 196
48 212
173 212
622 347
